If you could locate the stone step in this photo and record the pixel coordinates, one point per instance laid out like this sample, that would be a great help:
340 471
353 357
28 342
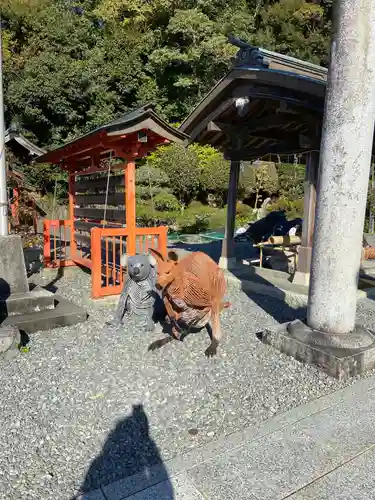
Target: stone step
65 313
22 303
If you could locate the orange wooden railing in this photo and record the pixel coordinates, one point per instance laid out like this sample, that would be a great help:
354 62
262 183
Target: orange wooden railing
57 250
106 246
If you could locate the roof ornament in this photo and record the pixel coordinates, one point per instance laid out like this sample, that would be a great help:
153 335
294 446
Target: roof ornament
248 55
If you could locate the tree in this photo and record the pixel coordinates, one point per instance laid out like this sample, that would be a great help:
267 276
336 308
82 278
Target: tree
297 28
150 181
72 66
214 173
181 166
291 179
257 179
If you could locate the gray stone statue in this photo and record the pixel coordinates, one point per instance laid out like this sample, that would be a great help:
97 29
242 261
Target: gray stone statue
139 295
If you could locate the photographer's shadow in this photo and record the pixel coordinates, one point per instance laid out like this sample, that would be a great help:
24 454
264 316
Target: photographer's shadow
128 450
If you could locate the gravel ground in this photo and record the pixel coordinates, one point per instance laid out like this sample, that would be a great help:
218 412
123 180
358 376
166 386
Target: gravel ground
88 405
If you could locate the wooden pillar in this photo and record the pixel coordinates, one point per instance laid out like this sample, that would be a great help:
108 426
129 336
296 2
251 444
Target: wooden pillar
72 195
130 211
302 275
227 251
15 206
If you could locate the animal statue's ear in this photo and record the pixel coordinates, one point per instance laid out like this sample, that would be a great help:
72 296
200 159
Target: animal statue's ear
156 254
152 260
124 260
172 255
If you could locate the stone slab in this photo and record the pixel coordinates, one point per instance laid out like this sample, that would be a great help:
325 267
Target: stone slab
22 303
92 495
302 279
369 239
13 277
65 313
9 338
137 482
355 481
270 286
281 463
210 451
176 488
336 362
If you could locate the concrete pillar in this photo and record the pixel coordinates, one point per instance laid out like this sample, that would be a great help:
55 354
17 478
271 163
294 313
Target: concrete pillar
302 274
345 157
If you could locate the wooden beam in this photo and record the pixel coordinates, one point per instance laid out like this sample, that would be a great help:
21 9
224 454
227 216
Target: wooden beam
97 214
275 93
80 225
227 250
211 117
254 153
86 185
216 127
311 180
92 154
260 125
116 199
74 148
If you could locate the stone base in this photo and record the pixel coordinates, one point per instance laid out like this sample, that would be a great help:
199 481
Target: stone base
300 278
340 356
227 263
9 340
13 277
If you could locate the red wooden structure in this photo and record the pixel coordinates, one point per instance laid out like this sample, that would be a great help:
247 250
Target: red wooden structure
21 196
102 205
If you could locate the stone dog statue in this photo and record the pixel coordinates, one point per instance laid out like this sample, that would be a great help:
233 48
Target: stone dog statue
139 295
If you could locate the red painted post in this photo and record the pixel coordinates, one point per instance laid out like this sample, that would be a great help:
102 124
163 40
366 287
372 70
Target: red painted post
130 210
163 240
96 259
47 243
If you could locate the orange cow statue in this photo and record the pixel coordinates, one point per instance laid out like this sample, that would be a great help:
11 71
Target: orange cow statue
192 289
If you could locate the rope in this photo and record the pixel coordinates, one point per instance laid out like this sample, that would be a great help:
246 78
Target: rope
104 221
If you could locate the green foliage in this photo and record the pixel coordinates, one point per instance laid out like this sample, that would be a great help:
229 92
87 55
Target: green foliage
69 68
293 208
181 166
150 181
255 179
291 180
166 202
297 28
214 172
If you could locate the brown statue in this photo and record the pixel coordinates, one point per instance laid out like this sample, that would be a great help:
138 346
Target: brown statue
193 289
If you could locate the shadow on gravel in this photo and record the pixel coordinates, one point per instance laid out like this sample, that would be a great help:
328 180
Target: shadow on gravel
129 450
51 285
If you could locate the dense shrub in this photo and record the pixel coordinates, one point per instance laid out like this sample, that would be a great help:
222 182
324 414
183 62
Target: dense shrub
166 202
293 208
